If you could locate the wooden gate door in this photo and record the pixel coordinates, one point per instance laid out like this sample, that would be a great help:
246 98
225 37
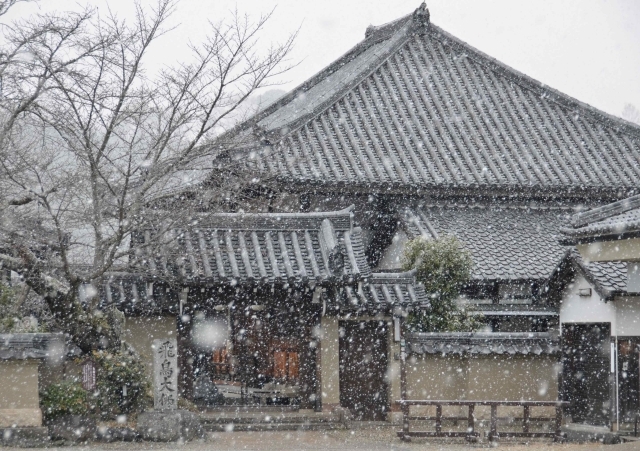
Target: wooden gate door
363 365
586 368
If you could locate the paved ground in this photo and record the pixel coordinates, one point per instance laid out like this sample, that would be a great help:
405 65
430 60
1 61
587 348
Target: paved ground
341 440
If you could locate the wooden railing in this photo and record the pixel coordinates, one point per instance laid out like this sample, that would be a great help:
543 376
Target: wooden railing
471 434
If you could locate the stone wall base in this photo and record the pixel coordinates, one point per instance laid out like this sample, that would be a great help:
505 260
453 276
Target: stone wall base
73 428
30 437
169 426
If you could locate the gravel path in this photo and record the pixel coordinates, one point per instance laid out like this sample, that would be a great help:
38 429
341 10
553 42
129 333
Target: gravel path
340 440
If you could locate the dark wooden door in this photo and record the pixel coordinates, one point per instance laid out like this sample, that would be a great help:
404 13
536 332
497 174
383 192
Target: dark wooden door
586 369
363 365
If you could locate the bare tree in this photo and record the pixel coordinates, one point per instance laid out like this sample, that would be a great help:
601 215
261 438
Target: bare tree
89 141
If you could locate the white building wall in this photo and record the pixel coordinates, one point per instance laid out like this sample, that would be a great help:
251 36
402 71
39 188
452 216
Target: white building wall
392 257
586 309
628 316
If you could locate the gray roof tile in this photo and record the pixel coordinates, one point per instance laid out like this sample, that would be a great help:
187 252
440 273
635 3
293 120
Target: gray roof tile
615 220
426 109
32 346
262 248
607 276
505 243
484 343
383 291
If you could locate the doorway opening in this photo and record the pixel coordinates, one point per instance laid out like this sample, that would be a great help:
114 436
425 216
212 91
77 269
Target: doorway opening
586 358
363 366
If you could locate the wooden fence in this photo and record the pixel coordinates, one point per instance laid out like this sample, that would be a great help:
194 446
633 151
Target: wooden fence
471 434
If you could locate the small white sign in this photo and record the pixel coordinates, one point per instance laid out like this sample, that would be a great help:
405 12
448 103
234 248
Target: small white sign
165 374
89 375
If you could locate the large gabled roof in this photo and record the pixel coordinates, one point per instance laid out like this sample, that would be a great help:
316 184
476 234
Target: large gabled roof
414 107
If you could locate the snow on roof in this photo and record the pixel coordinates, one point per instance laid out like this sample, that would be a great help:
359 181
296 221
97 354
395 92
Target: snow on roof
462 343
608 278
613 221
24 346
413 106
384 290
234 248
505 243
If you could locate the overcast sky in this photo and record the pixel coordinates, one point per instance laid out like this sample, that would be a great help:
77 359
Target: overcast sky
589 49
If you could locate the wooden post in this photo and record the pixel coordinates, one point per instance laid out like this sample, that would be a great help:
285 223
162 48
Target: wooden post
439 419
558 433
493 433
403 370
403 383
405 422
525 420
471 427
320 342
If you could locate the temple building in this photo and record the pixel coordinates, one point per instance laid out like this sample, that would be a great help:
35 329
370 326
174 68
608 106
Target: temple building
412 133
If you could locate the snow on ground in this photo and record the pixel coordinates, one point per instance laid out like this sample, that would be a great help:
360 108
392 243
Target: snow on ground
342 440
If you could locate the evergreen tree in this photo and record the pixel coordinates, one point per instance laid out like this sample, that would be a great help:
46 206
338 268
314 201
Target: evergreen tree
443 266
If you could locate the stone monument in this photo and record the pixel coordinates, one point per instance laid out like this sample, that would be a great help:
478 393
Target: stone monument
166 423
165 374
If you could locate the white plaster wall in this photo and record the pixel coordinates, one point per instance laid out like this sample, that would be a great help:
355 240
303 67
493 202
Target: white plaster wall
140 332
606 251
627 316
589 309
392 257
330 361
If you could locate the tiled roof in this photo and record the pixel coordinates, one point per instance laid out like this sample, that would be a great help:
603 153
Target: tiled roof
608 277
616 220
514 310
512 343
379 292
384 290
32 346
505 243
412 106
234 248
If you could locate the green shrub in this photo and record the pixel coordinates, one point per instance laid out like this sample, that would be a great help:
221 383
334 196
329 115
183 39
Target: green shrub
443 266
65 398
122 384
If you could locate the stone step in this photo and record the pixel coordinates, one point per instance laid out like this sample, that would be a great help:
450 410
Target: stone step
267 418
263 427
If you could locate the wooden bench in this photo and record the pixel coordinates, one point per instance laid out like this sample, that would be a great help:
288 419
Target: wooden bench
471 434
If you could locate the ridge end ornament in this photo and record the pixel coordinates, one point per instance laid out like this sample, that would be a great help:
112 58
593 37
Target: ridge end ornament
421 18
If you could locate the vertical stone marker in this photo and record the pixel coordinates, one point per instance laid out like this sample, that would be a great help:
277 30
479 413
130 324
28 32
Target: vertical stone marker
166 423
165 374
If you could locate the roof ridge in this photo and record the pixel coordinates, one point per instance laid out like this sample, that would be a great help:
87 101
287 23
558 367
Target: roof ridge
536 86
448 206
382 33
411 274
376 30
299 122
309 214
605 211
340 220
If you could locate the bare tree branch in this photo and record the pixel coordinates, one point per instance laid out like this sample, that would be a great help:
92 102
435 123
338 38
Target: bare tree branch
89 141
